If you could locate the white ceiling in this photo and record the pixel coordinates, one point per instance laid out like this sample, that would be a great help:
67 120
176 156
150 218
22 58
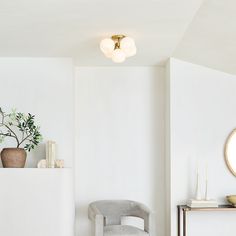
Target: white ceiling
211 38
42 28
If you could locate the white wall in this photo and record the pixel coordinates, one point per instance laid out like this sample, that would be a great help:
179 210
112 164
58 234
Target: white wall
202 113
37 202
120 139
44 87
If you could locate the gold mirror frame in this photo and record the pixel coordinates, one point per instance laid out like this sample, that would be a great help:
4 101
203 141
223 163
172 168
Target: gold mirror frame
226 152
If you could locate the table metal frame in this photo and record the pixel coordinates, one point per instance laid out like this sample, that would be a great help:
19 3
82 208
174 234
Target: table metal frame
183 209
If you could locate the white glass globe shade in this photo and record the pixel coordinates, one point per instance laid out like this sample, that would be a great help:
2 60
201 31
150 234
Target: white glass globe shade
109 54
118 56
127 44
107 45
131 51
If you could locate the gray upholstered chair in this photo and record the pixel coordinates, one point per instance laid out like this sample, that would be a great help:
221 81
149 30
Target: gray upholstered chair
106 217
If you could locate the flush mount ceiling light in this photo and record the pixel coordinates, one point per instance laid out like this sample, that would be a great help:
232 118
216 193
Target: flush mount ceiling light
118 47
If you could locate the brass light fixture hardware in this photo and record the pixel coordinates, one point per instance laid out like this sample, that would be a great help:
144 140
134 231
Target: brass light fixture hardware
117 38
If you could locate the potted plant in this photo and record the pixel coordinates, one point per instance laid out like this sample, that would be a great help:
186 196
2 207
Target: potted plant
20 127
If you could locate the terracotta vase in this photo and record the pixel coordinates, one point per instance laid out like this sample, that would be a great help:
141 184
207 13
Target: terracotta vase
13 157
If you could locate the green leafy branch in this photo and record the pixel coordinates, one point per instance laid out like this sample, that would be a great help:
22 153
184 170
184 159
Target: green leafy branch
20 127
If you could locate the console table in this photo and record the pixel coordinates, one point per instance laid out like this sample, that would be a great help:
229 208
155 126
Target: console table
183 209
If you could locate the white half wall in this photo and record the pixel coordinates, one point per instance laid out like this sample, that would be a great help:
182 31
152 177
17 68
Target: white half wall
202 110
120 139
43 87
37 202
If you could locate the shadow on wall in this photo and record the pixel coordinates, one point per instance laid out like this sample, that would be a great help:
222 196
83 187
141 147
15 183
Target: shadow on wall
157 174
81 213
36 155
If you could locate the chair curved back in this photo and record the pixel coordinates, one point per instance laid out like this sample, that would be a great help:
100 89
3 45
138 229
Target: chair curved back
113 210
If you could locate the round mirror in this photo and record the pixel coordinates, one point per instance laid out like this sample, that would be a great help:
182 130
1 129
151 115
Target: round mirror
230 152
